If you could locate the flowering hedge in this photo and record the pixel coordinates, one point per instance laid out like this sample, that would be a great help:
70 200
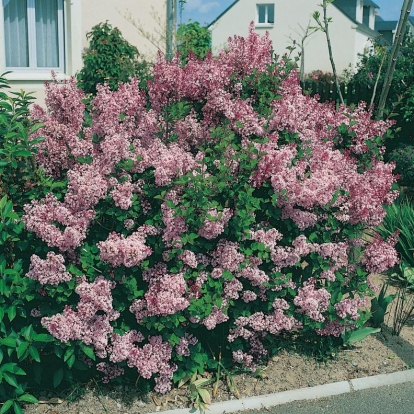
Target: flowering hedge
219 212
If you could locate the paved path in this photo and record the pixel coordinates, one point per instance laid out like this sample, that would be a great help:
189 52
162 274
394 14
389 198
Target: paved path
391 399
386 393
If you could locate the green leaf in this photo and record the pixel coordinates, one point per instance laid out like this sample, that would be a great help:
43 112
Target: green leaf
22 153
6 406
17 408
362 333
58 377
43 338
11 342
22 349
11 379
71 361
28 398
205 395
11 312
34 128
34 353
13 368
88 351
69 352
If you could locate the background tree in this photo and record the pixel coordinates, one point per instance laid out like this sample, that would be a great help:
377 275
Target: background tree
110 59
398 42
193 38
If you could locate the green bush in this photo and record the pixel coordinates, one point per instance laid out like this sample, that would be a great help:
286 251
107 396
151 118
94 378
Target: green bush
216 218
193 38
403 156
29 356
110 59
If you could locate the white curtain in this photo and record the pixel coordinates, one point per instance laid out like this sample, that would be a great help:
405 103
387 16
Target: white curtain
47 41
15 33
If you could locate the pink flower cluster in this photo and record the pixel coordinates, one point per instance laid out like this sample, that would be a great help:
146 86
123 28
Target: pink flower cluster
152 358
213 227
109 371
312 301
349 307
50 271
129 251
40 218
380 255
183 347
86 325
165 296
274 323
216 317
332 328
62 125
189 258
227 256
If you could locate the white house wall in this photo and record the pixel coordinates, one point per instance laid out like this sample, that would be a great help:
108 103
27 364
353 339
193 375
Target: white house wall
290 16
145 13
80 16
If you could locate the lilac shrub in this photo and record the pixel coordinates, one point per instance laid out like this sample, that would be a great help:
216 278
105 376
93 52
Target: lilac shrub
220 212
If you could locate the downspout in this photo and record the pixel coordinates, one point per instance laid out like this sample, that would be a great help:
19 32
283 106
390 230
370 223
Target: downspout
169 30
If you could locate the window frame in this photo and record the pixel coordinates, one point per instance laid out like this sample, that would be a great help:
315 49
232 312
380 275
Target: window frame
266 23
31 18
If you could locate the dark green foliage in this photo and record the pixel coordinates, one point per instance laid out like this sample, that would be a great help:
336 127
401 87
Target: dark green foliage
29 356
400 99
403 156
110 59
193 38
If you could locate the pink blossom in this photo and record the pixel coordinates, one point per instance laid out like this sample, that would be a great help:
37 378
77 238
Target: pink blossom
381 255
215 318
232 288
183 347
189 258
109 371
129 251
332 328
349 307
165 296
226 256
249 296
86 325
212 228
40 218
311 301
50 271
122 195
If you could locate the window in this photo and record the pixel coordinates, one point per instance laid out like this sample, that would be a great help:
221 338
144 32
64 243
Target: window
265 14
33 34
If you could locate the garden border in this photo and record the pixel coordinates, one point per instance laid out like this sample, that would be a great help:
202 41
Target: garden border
308 393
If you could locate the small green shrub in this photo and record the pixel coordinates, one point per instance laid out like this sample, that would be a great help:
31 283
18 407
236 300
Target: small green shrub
29 356
403 156
193 38
110 59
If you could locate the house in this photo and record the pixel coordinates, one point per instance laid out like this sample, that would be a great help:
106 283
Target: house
37 36
388 28
352 27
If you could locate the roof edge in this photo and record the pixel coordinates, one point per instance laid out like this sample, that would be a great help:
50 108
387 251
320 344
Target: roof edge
223 12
